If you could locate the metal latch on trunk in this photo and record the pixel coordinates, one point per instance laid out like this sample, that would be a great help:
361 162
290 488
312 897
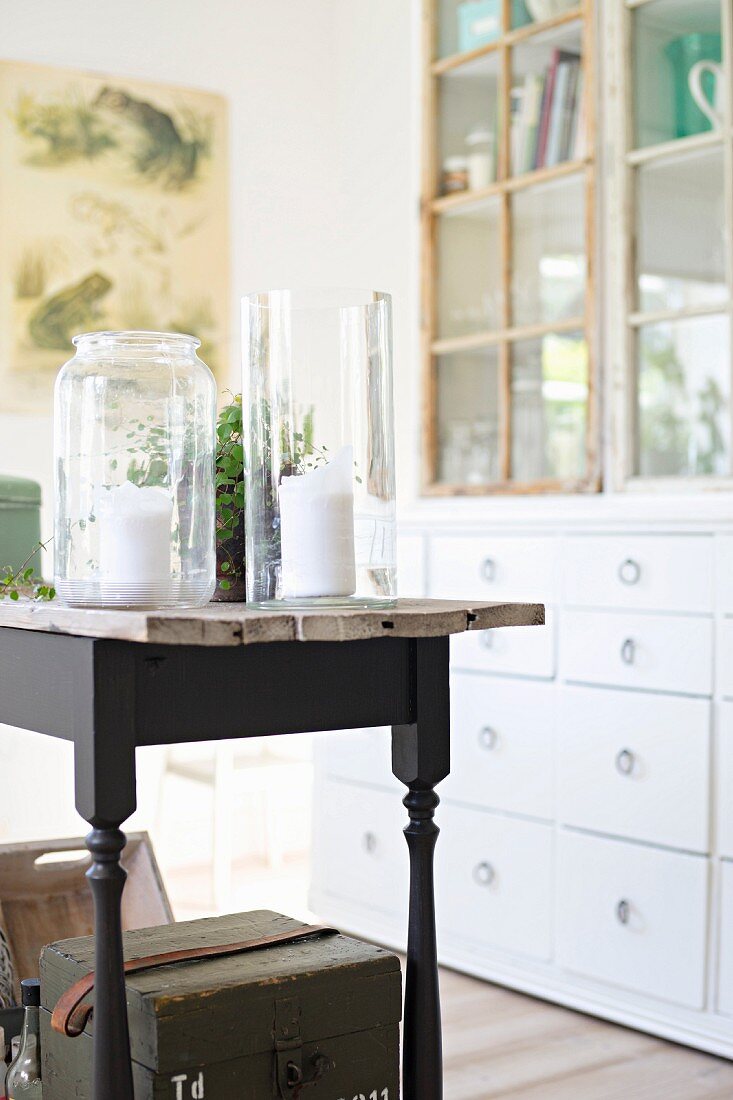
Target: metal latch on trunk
292 1075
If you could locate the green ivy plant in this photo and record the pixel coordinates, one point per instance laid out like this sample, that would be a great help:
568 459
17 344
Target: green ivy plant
23 581
229 465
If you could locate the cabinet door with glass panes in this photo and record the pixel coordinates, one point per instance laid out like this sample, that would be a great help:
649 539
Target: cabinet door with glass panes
670 210
508 244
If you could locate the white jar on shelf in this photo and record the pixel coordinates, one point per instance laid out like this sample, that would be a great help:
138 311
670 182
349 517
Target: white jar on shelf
480 144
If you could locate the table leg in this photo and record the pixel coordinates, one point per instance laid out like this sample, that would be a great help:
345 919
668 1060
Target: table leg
420 759
112 1073
105 797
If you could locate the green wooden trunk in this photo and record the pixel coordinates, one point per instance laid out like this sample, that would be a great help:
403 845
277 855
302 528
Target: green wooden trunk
20 524
209 1029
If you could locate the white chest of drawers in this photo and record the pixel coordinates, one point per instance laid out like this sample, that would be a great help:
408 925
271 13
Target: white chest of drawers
586 852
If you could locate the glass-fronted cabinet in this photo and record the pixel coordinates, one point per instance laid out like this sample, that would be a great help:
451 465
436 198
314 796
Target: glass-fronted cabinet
562 289
671 211
509 239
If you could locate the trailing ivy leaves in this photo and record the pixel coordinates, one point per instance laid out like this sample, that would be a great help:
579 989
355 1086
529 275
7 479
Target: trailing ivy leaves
229 473
229 470
23 581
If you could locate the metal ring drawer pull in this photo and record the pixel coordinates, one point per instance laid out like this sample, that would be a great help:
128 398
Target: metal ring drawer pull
625 761
623 911
484 874
488 570
629 571
628 651
369 843
488 738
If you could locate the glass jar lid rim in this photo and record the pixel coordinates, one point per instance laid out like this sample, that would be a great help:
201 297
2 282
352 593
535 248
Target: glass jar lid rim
135 336
301 298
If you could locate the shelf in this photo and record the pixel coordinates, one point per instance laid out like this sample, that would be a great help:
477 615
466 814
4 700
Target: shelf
681 11
638 319
447 203
509 335
511 38
678 147
457 60
510 488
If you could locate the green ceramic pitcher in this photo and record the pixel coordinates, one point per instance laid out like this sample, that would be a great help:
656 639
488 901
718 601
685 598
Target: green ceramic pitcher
684 53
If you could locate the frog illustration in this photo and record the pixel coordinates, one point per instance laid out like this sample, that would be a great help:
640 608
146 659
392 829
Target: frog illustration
72 310
162 152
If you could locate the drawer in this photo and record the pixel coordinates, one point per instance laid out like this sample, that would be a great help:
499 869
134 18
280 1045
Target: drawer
725 957
656 652
493 568
644 572
724 574
633 916
359 756
359 850
635 765
502 744
411 565
493 881
724 662
514 651
725 779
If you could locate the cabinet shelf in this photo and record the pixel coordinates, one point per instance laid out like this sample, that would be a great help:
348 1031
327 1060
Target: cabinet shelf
678 147
475 341
510 38
511 488
446 203
639 319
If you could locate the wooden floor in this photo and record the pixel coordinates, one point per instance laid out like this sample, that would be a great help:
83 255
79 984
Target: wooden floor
498 1043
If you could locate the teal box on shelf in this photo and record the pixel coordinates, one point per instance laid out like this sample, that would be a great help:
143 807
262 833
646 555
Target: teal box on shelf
479 22
20 520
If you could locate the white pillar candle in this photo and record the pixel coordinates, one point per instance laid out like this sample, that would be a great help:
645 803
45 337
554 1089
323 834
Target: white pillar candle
317 530
135 534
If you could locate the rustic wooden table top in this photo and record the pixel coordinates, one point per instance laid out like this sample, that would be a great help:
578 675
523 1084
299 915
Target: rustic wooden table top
237 624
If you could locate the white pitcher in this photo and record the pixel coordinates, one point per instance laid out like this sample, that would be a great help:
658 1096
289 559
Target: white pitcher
713 111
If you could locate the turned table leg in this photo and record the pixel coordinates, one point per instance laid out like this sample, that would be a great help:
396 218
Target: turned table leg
420 759
112 1073
105 797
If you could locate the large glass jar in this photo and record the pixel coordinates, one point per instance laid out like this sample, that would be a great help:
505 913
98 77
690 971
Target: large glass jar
319 452
135 417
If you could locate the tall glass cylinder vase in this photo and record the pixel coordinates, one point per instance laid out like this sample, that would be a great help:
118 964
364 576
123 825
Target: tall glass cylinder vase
134 432
319 452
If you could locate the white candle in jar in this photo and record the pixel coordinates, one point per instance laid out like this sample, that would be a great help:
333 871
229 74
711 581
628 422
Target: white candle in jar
135 534
317 530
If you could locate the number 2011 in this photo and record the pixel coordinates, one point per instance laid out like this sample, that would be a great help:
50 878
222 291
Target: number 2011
374 1095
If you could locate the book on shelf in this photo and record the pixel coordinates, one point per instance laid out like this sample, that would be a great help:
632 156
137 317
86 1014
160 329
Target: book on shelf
548 115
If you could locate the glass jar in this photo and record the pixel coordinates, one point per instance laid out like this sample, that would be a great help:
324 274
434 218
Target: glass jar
134 432
480 143
319 452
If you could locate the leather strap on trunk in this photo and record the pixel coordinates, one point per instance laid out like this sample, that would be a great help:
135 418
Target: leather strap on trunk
70 1016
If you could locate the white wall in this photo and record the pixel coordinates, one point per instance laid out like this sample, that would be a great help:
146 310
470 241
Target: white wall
378 137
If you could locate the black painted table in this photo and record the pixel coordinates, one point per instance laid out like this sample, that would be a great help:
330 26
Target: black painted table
111 681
